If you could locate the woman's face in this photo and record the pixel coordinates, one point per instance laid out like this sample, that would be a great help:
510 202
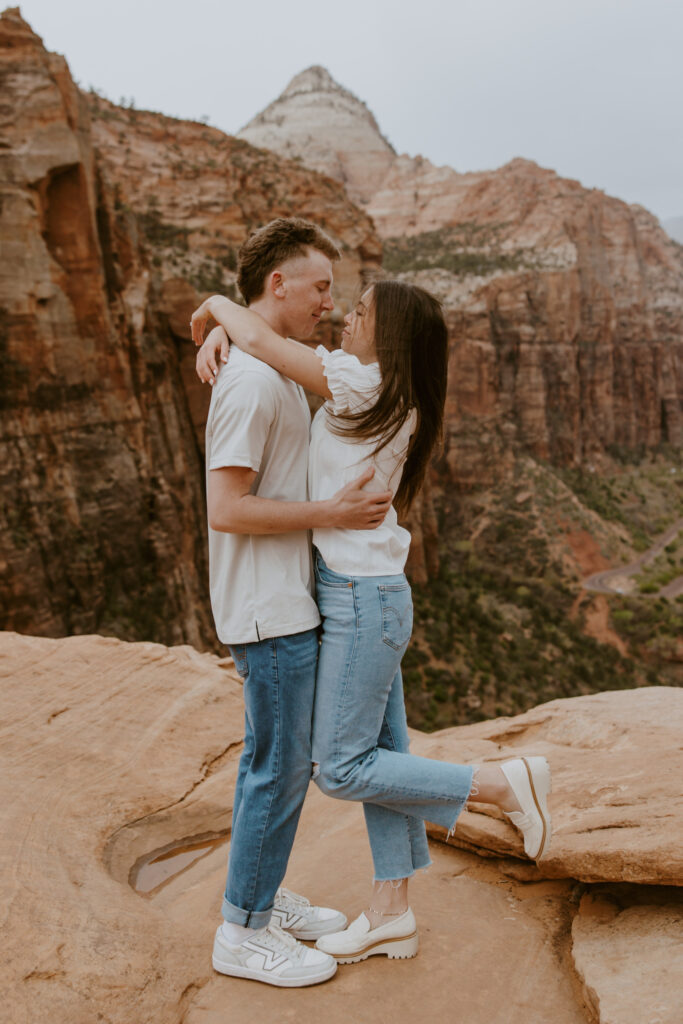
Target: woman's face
358 336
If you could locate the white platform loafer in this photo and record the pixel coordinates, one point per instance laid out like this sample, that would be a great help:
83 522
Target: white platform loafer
529 779
397 939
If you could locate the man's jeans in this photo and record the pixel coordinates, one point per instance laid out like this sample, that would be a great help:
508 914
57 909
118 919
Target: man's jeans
274 770
360 737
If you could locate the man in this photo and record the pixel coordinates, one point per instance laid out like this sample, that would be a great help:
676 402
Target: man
260 568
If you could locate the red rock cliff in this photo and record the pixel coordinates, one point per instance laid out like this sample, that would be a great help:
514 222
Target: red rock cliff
566 313
114 223
565 305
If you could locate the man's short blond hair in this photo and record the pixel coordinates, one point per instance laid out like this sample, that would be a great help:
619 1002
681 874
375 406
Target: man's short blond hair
274 243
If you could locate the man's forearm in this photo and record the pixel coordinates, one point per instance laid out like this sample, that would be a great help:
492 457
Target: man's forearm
251 514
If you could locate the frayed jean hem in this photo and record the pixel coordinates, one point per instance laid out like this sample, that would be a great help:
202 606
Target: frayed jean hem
413 871
473 791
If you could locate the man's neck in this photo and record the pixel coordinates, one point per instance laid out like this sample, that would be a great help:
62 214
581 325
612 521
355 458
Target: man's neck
264 308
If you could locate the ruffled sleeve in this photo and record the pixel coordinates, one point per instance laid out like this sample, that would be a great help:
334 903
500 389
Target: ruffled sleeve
354 385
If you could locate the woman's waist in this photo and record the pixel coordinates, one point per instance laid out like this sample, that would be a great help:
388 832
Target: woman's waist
328 470
379 552
323 486
322 564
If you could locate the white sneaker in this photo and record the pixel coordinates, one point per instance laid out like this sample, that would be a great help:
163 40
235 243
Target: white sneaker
294 914
529 779
397 940
272 956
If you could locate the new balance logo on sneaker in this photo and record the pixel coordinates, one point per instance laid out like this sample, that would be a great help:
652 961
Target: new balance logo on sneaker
273 954
285 920
269 959
274 957
295 915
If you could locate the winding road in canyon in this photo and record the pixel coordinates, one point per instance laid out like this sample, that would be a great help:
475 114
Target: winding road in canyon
620 581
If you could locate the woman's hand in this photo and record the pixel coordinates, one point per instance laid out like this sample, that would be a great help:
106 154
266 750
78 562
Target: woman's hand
200 318
207 367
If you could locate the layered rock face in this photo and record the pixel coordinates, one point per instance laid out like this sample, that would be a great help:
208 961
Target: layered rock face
350 147
117 785
565 305
114 224
566 313
102 501
564 308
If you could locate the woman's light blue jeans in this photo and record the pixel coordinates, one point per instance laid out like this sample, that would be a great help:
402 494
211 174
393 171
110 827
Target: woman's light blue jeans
360 736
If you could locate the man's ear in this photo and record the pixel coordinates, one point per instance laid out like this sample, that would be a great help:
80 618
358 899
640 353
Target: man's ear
277 285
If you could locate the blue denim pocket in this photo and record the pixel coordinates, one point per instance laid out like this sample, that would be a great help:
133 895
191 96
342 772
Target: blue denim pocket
329 578
397 613
239 656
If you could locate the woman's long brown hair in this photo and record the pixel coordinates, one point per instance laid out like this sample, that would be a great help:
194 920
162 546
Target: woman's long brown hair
411 340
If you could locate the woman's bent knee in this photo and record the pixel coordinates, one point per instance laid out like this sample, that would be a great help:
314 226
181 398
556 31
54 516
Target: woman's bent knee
327 779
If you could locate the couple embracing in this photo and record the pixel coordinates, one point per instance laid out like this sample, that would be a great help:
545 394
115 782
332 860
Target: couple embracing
322 681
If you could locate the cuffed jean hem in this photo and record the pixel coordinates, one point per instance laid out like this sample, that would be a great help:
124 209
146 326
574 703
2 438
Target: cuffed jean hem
245 918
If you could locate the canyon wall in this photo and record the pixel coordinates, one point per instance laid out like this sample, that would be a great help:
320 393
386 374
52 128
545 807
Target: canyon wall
113 225
565 309
565 305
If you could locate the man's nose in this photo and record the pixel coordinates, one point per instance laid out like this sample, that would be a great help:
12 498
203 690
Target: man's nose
329 302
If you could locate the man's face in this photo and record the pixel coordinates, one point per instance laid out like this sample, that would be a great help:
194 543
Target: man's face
305 292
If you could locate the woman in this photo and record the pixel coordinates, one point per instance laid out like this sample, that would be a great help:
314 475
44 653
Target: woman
385 392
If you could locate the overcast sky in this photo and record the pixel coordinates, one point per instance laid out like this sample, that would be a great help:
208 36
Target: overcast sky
591 88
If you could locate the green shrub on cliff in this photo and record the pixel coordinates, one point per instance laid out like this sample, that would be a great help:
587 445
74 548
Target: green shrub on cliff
467 249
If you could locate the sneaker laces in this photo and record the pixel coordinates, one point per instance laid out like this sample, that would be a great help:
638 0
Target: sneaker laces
280 942
289 900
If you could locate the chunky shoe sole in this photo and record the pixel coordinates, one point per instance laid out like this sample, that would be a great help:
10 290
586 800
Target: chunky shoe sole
536 775
541 787
400 948
237 971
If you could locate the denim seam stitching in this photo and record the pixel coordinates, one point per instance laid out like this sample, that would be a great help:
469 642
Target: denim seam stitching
343 582
342 699
277 775
406 817
391 734
335 586
384 607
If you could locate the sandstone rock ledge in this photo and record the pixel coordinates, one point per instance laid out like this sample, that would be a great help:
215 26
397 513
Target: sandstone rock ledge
111 751
617 763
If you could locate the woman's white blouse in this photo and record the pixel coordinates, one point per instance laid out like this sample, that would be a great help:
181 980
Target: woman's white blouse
335 461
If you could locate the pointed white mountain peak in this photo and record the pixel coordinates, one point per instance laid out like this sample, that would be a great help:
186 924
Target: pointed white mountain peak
313 79
324 125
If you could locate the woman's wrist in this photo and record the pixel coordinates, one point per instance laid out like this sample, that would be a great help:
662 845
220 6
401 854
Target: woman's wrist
239 323
323 514
214 303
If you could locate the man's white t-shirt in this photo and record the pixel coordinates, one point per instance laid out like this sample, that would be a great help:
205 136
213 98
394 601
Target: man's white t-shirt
260 583
335 461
